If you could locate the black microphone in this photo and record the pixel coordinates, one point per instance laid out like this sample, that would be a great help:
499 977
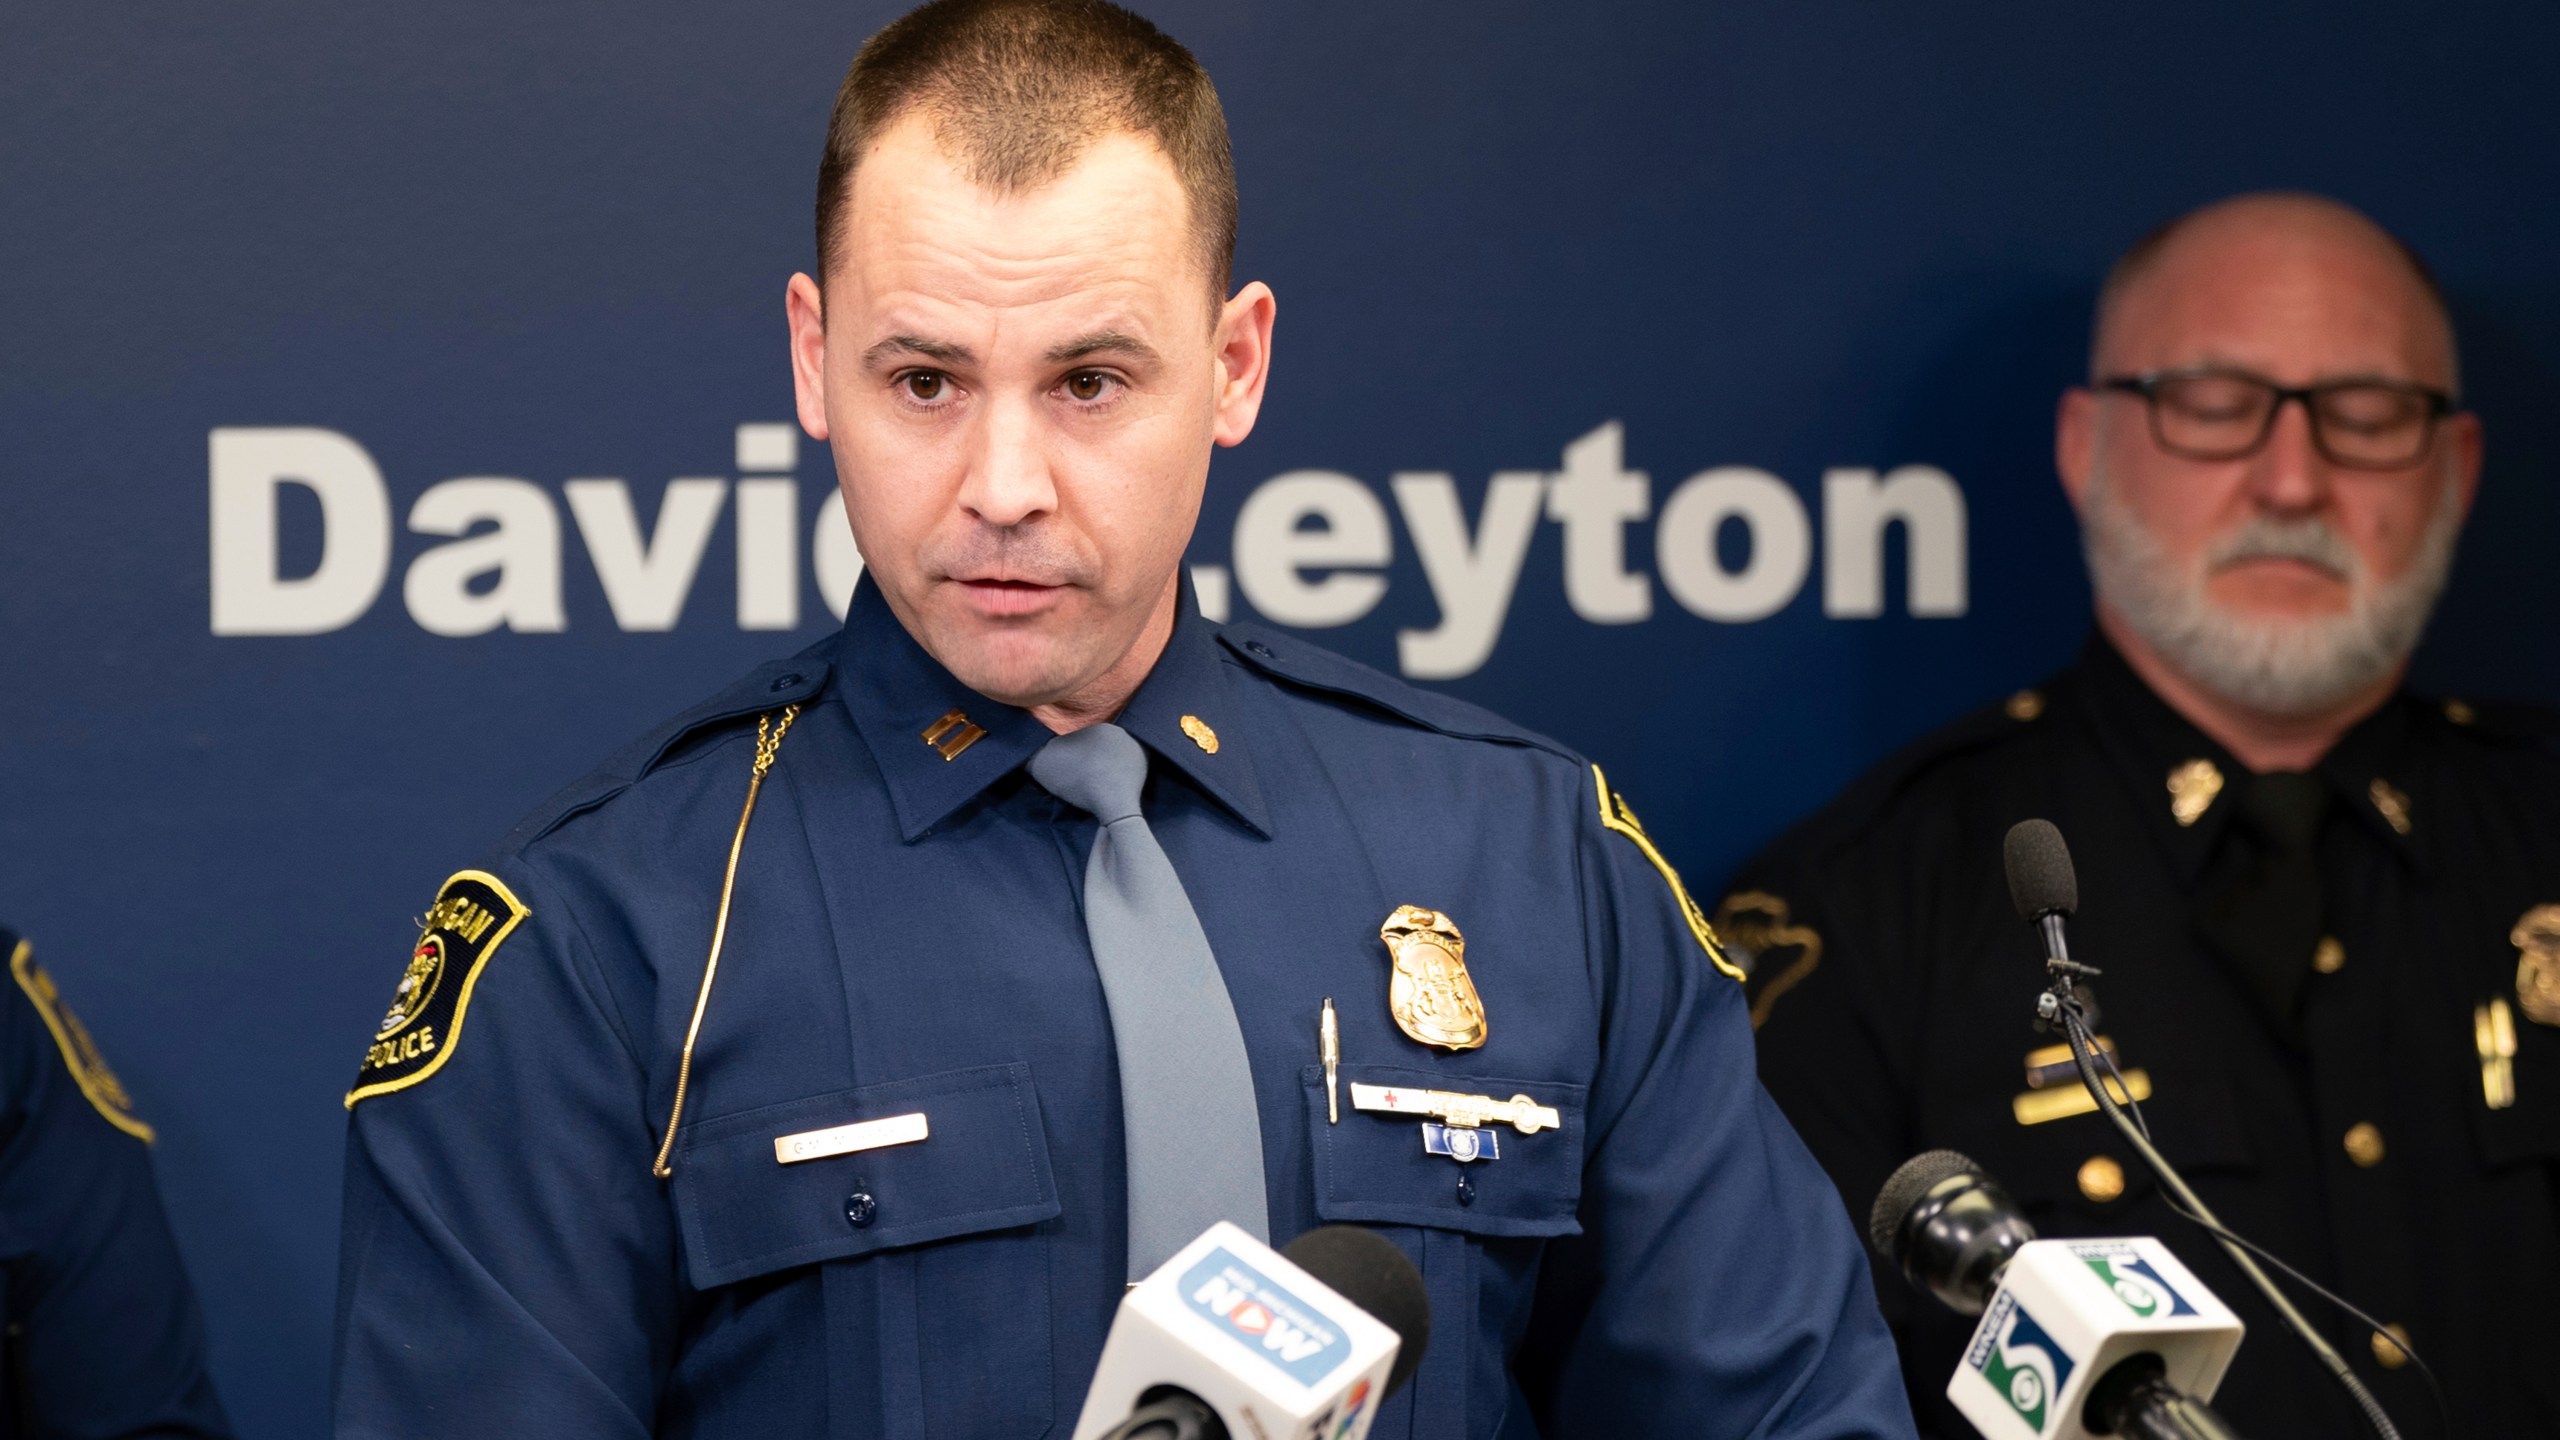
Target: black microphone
1953 1231
1948 1227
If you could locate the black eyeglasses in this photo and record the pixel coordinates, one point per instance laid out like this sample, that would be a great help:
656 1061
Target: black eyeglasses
2214 414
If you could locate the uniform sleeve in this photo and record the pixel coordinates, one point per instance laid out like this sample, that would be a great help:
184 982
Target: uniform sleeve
1836 1024
508 1264
108 1337
1717 1288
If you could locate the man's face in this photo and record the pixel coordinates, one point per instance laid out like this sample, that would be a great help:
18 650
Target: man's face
1021 392
2286 576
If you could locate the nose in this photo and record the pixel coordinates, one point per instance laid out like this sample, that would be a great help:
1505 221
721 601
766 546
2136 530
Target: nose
2289 475
1009 481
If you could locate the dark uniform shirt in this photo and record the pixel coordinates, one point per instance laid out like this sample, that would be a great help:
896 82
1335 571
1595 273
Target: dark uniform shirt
2371 1133
906 937
102 1334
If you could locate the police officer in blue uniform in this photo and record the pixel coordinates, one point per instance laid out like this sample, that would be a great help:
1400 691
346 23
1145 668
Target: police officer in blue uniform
99 1331
830 1060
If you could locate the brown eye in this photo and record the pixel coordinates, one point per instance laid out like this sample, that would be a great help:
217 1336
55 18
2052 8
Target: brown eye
1086 384
924 385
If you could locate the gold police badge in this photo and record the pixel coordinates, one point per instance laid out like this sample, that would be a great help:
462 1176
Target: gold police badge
1431 995
2537 941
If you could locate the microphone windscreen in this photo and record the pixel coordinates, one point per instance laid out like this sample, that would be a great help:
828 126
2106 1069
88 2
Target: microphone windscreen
1905 1186
2041 881
1365 1268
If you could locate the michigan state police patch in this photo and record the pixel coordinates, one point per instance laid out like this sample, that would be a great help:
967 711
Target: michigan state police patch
472 916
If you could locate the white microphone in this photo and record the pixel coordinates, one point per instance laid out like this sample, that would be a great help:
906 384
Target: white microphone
1233 1338
2078 1338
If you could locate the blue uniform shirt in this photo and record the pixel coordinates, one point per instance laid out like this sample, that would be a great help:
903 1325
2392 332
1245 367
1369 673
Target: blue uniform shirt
905 937
99 1331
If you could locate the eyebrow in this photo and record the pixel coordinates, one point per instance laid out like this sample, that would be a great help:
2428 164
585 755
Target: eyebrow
942 350
1102 342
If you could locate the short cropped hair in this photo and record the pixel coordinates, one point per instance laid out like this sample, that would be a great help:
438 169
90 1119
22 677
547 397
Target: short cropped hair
1017 89
2136 260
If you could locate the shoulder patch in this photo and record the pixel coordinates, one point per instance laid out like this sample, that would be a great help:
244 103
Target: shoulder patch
79 1053
1760 930
1616 816
473 914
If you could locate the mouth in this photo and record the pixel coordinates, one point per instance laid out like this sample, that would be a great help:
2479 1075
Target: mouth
1004 598
2292 566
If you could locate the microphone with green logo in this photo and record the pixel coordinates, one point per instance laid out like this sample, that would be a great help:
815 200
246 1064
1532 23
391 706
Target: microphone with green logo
2078 1337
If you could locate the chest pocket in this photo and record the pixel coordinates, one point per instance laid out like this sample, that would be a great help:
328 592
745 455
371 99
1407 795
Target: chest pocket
1474 1243
935 1251
2077 1172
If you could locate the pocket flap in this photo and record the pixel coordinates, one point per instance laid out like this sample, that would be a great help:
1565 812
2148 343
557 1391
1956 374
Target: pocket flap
1372 1167
983 1165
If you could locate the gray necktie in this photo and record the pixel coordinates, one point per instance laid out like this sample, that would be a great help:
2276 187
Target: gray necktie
1186 1089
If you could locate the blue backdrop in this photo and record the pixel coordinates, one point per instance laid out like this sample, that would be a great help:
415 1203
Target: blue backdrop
548 242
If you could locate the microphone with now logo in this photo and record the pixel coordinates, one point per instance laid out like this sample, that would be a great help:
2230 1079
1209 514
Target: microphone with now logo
1231 1337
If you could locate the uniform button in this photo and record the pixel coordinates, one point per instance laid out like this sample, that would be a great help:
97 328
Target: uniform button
2386 1347
2025 705
785 683
1258 648
2364 1144
2101 1178
2328 957
859 1208
1466 1188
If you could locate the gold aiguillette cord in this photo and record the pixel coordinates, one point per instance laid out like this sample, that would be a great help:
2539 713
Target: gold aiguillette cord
768 741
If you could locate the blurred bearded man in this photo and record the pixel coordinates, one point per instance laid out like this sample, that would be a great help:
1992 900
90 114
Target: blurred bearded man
2325 907
830 1061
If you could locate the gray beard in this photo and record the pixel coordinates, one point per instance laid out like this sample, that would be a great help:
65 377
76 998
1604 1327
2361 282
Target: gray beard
2291 667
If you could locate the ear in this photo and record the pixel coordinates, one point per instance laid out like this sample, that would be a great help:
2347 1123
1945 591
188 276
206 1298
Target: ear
804 308
2462 429
1243 341
2075 441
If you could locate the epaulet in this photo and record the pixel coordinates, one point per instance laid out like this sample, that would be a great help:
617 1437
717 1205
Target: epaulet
1851 812
2511 722
769 687
1295 662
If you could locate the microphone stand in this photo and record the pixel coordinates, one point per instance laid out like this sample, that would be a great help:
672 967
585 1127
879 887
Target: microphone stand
2059 1004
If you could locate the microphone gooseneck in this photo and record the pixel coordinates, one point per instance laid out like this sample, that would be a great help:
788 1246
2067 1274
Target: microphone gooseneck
2045 889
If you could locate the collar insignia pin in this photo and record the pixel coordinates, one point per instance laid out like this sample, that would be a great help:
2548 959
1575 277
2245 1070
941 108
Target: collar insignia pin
952 734
1431 995
1200 733
2392 801
2192 787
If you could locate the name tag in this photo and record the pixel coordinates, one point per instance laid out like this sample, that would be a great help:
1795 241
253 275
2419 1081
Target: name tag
1466 1112
847 1139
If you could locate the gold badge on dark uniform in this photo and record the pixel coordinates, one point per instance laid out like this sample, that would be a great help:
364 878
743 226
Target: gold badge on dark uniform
472 915
2537 941
1431 995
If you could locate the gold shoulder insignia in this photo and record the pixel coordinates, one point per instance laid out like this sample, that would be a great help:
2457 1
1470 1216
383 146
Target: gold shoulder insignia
1616 816
79 1053
1755 922
473 914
